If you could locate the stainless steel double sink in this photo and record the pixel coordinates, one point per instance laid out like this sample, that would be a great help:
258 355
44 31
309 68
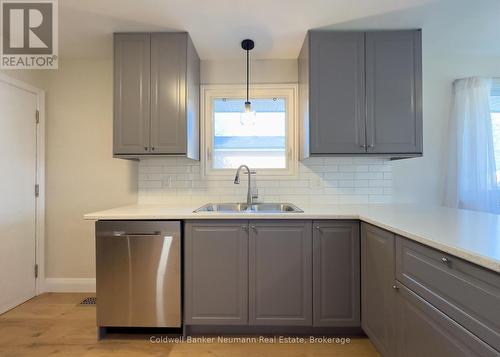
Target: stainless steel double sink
249 208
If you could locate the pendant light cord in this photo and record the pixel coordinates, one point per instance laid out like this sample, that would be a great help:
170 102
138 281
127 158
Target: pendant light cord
248 69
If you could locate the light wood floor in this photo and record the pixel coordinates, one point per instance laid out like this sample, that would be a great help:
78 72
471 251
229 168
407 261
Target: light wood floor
54 325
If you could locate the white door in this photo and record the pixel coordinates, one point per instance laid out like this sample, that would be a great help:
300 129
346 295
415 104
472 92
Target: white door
17 195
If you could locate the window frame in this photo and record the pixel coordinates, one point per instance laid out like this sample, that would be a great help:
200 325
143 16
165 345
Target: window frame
215 91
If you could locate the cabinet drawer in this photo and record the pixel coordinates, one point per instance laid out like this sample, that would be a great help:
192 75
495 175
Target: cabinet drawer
468 294
423 330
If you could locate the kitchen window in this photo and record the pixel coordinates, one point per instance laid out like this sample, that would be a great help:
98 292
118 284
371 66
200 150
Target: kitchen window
262 139
495 122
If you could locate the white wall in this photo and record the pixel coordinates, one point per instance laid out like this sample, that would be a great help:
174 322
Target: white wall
422 180
34 77
81 175
261 71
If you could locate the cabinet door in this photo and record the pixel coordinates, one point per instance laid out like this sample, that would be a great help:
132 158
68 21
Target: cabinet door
131 94
394 91
280 273
337 92
336 273
216 272
465 292
423 330
377 293
168 93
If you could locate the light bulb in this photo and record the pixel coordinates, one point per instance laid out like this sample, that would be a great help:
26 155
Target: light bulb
247 118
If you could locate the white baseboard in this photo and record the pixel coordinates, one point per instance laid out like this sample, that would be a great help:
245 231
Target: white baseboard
69 285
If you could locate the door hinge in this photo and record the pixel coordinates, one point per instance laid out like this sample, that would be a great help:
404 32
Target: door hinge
36 270
37 190
37 117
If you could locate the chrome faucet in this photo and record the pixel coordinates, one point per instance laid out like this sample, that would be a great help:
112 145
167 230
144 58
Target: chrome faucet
250 196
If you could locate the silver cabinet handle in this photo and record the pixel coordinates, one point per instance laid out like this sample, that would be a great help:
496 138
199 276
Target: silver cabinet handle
318 228
254 228
245 228
146 234
445 260
363 146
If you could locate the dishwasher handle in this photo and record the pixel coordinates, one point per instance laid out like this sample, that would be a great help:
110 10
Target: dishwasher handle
145 234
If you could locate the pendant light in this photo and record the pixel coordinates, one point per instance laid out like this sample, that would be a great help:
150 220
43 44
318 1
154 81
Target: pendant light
248 115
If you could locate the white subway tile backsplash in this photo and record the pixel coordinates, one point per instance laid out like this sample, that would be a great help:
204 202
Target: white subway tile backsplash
380 183
339 175
294 183
368 175
318 180
346 183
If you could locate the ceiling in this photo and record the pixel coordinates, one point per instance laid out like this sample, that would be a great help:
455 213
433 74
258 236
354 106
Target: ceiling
216 26
277 26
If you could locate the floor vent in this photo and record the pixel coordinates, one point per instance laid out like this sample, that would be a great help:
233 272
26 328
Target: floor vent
88 301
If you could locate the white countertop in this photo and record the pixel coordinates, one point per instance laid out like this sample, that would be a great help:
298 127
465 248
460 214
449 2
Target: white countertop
469 235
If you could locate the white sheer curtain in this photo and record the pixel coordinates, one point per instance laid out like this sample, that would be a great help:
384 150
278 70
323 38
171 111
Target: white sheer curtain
471 177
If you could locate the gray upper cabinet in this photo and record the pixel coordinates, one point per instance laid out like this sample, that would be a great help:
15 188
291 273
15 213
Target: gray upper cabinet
336 273
377 293
337 92
156 95
280 273
168 93
394 92
361 93
216 272
132 104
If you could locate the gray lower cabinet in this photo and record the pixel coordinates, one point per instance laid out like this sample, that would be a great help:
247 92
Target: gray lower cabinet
465 292
336 273
216 272
156 95
417 301
377 293
280 272
423 330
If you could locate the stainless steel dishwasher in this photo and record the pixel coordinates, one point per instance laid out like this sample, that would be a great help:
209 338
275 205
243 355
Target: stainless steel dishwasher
138 273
